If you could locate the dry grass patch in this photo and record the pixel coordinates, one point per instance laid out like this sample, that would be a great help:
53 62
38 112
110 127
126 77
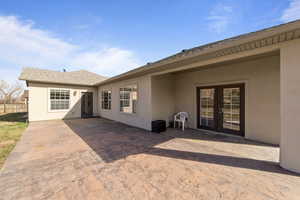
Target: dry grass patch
11 127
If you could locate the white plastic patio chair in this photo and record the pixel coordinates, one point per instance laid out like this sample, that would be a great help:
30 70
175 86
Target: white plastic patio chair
181 117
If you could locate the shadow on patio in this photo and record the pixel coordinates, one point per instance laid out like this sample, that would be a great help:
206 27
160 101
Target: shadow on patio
113 141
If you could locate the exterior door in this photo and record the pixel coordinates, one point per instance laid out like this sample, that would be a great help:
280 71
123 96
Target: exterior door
207 108
221 108
87 104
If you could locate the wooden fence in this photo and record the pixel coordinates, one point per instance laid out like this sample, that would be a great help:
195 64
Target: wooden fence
13 108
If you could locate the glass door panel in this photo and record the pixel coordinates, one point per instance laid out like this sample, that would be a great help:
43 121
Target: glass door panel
206 106
221 108
231 109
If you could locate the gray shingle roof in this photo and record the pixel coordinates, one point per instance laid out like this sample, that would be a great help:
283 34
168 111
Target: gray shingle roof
80 77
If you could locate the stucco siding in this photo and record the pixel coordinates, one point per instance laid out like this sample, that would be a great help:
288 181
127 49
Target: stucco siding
142 117
160 96
290 109
163 97
38 104
262 93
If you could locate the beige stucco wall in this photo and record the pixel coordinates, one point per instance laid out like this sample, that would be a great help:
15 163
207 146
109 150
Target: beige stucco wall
38 104
262 94
290 106
160 96
163 97
142 117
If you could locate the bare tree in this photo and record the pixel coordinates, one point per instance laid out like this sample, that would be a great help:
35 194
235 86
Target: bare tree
9 92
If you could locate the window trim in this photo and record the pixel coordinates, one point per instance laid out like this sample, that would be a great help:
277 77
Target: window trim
49 100
137 90
101 99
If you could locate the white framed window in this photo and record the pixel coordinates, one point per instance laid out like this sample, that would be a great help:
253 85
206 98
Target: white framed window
59 99
106 99
128 99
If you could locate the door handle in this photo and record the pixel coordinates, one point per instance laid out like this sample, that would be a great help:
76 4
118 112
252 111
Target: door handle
221 115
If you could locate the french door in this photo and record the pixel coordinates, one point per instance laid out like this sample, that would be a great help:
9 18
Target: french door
221 108
86 104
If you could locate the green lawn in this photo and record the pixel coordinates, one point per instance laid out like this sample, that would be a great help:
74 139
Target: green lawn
11 127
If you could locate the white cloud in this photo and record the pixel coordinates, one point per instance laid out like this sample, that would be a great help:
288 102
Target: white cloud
220 17
21 44
107 61
292 12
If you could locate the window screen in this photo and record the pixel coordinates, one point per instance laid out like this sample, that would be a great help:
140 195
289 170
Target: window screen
106 99
59 99
128 99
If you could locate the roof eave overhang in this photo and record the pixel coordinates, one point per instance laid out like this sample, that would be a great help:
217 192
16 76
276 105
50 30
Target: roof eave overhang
55 83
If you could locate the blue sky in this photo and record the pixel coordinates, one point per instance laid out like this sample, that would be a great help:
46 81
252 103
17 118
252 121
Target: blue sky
111 37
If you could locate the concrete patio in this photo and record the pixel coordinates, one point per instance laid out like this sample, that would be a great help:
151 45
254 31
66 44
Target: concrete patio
102 159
